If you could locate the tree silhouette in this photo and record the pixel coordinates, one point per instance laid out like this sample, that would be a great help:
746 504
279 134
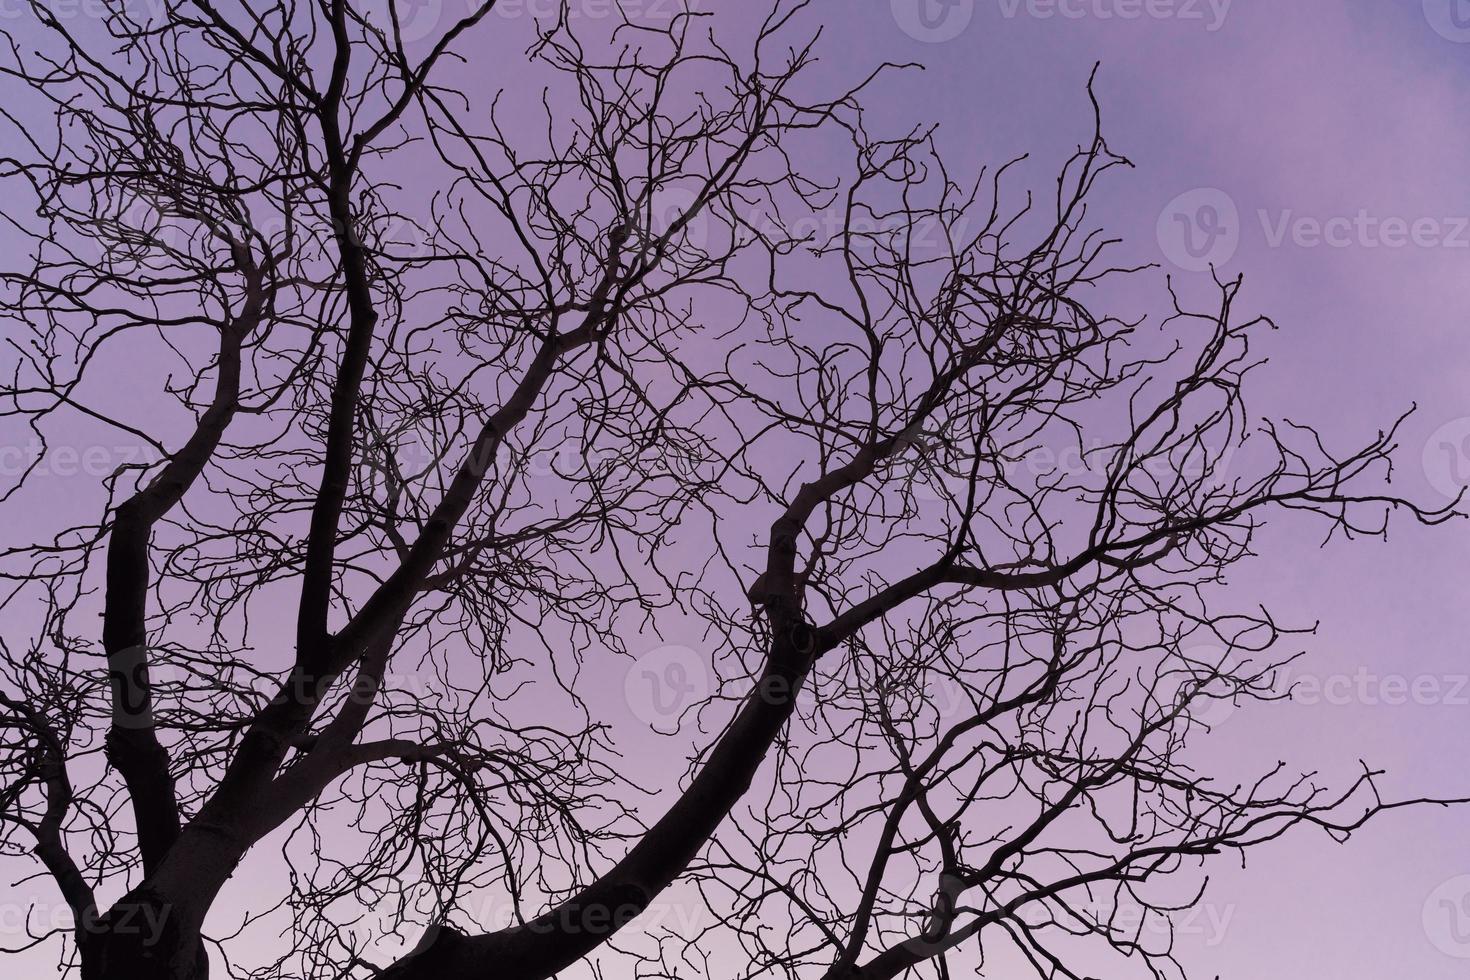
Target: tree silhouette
442 390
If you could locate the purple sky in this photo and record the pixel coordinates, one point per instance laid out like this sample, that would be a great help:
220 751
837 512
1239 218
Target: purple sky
1319 147
1350 114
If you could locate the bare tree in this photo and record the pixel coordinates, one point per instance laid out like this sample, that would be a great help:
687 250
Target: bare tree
445 387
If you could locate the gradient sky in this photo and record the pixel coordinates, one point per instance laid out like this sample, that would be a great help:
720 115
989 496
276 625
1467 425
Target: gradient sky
1352 114
1322 149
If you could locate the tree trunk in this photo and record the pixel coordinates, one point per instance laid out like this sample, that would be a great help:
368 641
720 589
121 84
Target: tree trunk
141 938
552 942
